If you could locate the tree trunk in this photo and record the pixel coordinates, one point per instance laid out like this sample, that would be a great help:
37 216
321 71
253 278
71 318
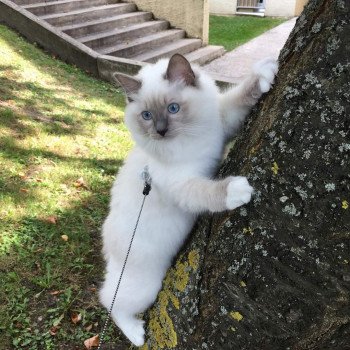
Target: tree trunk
274 274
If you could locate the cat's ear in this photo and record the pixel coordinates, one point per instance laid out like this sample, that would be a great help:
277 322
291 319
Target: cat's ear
179 69
130 84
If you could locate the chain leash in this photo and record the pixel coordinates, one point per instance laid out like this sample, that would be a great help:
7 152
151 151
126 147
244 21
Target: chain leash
146 190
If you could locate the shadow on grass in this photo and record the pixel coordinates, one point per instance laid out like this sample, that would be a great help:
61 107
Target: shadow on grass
33 101
12 185
38 102
42 263
46 278
39 261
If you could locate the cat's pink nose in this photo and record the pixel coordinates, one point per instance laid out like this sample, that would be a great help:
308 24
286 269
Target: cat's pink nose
162 131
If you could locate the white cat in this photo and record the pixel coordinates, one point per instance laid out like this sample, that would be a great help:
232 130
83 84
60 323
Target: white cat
180 123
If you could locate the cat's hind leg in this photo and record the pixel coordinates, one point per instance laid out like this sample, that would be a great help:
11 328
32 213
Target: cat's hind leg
138 290
125 309
130 325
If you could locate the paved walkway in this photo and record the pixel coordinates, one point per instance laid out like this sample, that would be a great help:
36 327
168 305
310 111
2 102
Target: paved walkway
236 64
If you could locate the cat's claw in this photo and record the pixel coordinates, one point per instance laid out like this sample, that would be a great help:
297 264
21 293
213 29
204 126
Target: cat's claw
266 70
239 192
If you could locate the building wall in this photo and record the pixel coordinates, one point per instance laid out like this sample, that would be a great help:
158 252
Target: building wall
280 8
273 8
299 6
222 7
190 15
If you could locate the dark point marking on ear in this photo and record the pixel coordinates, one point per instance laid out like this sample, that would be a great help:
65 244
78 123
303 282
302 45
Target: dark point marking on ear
179 69
129 84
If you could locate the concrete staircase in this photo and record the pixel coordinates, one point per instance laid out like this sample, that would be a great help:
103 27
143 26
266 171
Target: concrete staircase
114 28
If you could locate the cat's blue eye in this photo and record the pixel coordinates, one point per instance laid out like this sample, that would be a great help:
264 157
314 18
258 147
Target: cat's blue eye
146 115
173 108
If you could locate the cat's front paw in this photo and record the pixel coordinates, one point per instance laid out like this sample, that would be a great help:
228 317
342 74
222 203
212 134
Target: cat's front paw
239 192
266 70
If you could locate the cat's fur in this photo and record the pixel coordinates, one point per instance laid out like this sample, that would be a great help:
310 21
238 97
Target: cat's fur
181 164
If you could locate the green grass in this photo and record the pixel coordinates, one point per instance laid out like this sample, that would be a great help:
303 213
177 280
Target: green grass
61 142
231 32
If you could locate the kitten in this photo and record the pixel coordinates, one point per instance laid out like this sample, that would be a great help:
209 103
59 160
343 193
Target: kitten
180 123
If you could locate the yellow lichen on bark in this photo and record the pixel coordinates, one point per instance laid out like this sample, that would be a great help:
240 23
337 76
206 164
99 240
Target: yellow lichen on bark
161 330
236 315
161 325
248 230
275 168
181 276
193 259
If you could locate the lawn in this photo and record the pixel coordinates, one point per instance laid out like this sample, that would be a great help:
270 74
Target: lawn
231 32
62 140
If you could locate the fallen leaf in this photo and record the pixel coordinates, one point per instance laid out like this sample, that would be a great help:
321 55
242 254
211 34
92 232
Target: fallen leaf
24 190
51 219
75 317
64 237
53 330
80 183
92 289
56 292
88 328
18 325
91 342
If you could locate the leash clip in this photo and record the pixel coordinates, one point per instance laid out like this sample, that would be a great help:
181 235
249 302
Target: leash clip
146 177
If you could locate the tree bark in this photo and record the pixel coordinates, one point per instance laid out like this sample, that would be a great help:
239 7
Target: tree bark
275 274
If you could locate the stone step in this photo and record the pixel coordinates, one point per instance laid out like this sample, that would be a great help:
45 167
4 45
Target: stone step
243 13
117 36
44 8
205 54
181 46
30 2
141 45
105 24
88 14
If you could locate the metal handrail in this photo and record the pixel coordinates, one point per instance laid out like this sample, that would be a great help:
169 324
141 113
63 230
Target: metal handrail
253 4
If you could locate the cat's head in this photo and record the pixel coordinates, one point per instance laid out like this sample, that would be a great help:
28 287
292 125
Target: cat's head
167 104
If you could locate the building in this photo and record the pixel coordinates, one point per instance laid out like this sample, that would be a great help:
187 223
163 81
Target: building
271 8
